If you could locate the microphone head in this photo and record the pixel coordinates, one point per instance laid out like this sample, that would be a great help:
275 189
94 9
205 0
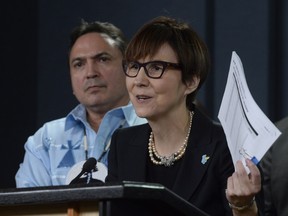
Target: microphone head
75 174
89 165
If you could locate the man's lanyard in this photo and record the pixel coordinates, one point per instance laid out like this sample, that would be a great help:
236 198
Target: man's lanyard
107 146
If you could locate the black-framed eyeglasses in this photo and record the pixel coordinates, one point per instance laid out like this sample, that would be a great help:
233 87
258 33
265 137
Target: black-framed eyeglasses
153 69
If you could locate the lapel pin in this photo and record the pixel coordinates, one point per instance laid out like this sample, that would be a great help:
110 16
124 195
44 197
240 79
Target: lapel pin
205 158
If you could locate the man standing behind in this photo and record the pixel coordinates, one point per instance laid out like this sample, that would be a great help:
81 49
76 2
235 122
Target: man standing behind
98 83
275 174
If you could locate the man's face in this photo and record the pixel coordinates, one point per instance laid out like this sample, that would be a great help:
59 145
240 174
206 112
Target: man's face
97 77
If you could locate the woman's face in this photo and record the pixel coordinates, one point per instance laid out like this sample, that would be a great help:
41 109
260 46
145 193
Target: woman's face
155 98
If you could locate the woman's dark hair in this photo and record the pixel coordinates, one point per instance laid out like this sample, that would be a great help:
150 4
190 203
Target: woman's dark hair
192 52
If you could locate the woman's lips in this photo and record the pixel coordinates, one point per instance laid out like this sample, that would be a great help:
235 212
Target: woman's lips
142 97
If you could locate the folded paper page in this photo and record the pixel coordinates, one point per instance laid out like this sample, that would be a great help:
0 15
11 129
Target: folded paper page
248 131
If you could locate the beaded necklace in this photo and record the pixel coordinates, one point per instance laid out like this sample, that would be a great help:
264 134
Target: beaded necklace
168 160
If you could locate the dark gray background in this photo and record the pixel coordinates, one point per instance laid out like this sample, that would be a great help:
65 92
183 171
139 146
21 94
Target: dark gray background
35 83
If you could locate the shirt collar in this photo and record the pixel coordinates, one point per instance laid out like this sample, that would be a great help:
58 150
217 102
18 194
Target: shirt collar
78 114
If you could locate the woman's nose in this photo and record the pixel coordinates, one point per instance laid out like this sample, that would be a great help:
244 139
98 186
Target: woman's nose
141 79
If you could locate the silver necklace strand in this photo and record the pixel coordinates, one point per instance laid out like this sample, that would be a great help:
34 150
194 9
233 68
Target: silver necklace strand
168 161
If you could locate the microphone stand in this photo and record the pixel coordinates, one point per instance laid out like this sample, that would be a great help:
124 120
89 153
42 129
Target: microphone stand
89 177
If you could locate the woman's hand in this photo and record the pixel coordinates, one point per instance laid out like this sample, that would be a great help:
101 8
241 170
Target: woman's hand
242 188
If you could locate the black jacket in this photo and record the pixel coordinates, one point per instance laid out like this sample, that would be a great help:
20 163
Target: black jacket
202 184
275 174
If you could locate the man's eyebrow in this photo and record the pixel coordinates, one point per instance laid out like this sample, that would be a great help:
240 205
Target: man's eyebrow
76 59
98 55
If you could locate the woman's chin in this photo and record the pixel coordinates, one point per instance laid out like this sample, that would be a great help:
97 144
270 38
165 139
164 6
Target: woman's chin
141 114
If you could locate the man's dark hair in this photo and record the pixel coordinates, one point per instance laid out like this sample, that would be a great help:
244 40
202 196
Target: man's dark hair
100 27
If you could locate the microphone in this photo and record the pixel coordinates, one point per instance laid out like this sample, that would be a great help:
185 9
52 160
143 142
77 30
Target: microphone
88 167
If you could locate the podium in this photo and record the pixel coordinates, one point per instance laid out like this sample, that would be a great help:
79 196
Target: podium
107 199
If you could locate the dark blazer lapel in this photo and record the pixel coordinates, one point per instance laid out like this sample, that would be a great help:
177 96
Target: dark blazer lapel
138 153
195 161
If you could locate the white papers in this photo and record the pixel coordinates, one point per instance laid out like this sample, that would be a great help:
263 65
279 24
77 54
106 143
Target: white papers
248 131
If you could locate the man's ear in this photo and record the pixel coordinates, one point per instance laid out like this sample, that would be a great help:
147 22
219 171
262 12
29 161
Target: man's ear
192 84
